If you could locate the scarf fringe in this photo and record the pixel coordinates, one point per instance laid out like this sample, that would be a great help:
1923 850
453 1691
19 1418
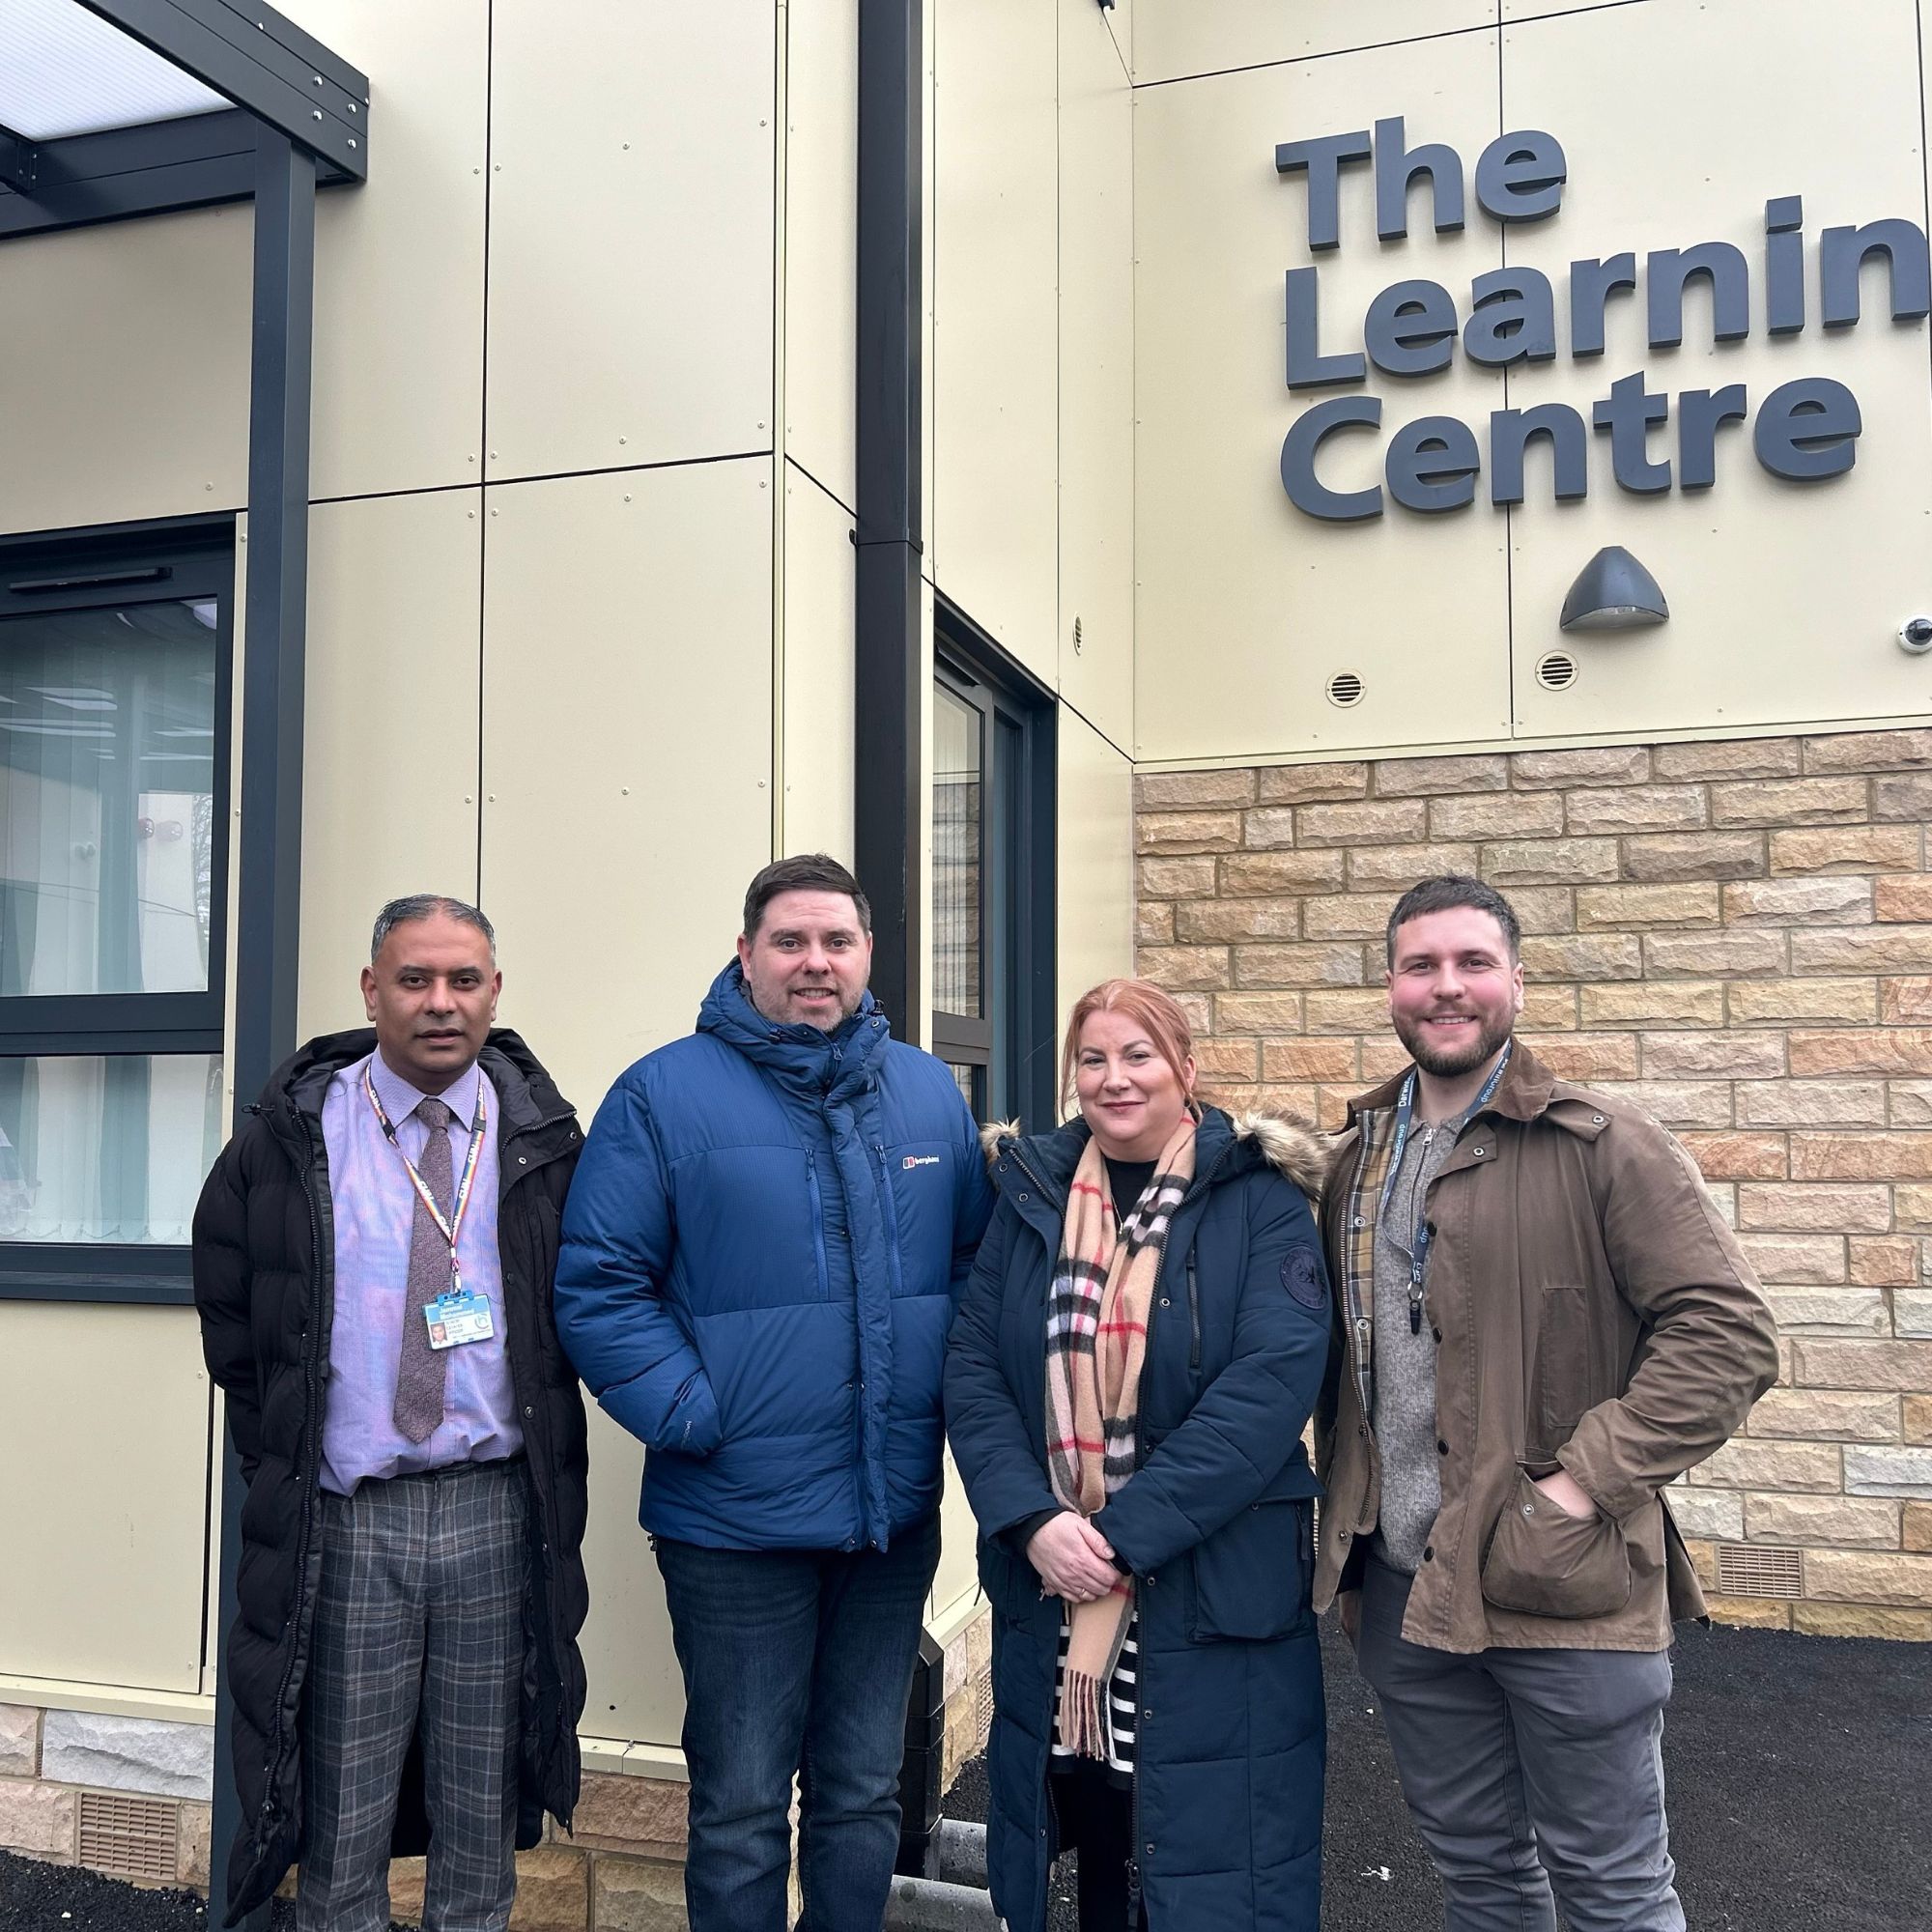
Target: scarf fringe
1084 1727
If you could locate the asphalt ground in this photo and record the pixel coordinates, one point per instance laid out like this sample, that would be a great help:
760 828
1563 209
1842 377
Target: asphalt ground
1800 1772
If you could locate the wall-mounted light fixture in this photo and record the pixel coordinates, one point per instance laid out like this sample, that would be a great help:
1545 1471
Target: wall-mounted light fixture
1614 592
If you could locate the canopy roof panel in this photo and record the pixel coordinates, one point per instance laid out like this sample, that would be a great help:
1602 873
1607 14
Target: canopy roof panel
65 70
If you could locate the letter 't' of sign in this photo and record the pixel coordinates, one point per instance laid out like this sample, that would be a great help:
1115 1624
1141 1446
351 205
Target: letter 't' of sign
1324 159
1297 460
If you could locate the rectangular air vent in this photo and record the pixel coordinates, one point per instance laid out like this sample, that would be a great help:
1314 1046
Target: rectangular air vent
1746 1570
129 1837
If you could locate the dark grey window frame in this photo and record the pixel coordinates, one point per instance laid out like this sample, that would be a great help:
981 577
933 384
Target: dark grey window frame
1012 1037
94 570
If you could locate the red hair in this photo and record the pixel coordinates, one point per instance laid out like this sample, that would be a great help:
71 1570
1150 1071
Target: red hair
1158 1013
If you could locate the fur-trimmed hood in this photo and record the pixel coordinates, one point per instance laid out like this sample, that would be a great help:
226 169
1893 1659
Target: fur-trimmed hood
1295 1149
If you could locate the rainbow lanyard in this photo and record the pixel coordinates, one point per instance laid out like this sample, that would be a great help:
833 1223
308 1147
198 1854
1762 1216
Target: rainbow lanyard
452 1227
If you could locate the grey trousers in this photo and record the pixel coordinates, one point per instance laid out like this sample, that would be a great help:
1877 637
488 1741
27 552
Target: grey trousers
420 1614
1528 1771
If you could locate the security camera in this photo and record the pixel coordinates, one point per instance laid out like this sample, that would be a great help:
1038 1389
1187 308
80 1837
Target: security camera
1916 635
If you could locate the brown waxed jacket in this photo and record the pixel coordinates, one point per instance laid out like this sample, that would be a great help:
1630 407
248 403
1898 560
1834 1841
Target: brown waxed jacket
1594 1315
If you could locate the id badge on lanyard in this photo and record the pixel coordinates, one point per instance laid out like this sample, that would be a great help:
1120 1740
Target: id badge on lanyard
456 1315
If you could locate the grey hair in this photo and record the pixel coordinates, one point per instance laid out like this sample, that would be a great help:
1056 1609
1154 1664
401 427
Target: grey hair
426 905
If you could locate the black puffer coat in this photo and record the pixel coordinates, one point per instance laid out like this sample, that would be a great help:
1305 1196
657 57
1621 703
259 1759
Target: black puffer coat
264 1282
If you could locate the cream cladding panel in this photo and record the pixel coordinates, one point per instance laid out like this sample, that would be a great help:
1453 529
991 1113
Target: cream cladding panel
627 750
1173 38
995 335
399 263
1096 866
104 1423
821 242
815 760
635 1695
390 730
1096 372
1246 606
1786 598
631 233
126 370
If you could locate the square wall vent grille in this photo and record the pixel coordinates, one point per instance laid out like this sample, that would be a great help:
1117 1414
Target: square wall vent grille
1749 1571
131 1837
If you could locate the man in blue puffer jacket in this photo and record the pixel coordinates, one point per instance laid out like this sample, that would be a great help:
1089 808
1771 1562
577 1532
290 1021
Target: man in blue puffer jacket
768 1232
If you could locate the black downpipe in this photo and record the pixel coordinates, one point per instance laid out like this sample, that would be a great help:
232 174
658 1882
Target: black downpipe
275 643
886 776
886 797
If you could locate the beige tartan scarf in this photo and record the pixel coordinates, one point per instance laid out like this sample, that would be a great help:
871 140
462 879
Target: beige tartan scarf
1097 1321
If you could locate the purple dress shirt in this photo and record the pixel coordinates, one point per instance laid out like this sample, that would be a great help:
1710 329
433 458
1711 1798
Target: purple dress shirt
374 1208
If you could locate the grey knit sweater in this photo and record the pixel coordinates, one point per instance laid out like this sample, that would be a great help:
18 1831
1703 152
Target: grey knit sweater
1405 1364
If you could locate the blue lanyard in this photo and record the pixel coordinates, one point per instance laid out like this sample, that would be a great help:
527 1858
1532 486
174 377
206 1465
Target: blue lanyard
1405 1116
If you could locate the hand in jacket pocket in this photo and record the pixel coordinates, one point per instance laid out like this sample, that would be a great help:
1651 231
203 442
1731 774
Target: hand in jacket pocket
1544 1562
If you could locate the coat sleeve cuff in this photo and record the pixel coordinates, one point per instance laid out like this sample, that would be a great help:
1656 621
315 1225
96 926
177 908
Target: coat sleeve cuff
1613 1493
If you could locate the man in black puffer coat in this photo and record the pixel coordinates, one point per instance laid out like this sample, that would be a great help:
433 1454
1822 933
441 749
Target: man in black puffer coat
404 1663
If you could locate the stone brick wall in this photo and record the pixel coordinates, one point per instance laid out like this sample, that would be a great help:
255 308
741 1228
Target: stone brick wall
1738 935
621 1871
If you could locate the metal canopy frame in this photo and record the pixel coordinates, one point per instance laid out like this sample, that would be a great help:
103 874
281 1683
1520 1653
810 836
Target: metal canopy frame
299 121
283 82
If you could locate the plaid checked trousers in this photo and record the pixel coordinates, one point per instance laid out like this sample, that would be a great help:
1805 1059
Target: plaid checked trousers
422 1613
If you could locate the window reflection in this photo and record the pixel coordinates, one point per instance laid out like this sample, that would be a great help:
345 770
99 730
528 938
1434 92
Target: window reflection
106 1148
955 855
107 742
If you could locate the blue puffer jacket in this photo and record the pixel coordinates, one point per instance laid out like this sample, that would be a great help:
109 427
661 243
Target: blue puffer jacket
1215 1524
766 1239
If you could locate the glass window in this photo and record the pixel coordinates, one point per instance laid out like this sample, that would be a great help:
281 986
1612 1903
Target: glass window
106 1148
114 735
965 1078
107 798
956 796
992 920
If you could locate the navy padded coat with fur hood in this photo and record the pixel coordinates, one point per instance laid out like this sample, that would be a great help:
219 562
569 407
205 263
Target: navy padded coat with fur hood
1215 1524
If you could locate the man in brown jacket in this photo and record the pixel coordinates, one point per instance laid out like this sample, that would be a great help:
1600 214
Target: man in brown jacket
1541 1320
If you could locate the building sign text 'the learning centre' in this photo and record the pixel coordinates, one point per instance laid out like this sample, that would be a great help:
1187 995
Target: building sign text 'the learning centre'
1804 431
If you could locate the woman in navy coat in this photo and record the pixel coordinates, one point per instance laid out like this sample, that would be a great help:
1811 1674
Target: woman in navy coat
1202 1806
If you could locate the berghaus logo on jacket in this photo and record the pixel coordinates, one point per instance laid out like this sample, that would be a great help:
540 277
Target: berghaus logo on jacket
913 1160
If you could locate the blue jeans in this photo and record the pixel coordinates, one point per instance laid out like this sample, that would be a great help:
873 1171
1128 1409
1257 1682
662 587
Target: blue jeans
795 1662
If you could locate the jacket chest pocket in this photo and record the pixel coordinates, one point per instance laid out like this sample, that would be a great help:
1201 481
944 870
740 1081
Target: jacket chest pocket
1251 1578
1563 1381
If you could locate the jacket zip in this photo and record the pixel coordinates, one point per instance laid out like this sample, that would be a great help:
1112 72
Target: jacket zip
308 1475
892 1215
817 1226
1193 1315
1202 1183
544 1570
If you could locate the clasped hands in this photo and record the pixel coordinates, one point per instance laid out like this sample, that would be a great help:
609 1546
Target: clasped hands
1074 1560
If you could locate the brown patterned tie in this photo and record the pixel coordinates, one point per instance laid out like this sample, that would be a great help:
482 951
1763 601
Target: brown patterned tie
422 1371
